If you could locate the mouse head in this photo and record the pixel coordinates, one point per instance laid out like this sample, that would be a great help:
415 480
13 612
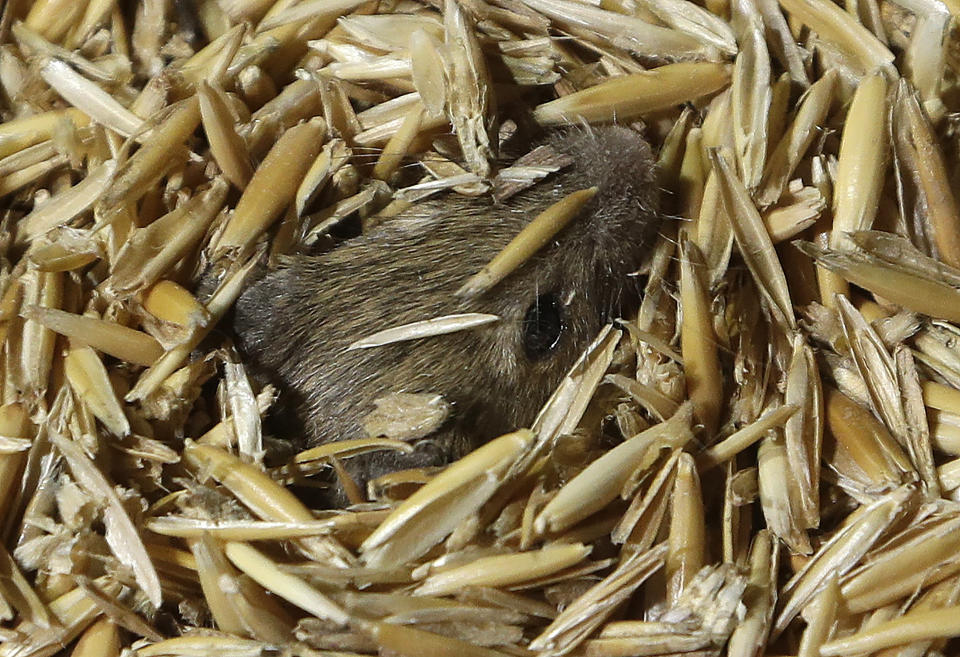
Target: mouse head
553 306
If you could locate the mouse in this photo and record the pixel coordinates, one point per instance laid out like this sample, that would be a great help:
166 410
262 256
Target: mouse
295 323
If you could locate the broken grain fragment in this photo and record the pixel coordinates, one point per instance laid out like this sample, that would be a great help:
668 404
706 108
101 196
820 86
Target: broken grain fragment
20 133
470 102
169 302
122 535
751 633
150 252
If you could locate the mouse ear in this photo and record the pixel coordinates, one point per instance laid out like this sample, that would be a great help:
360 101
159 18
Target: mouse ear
612 237
620 164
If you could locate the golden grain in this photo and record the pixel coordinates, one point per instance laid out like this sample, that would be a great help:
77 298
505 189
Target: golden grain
317 115
528 241
632 96
698 344
226 146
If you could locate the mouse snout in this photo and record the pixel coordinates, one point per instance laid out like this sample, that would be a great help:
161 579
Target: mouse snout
426 454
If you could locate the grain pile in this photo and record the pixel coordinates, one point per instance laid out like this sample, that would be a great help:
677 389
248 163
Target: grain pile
765 460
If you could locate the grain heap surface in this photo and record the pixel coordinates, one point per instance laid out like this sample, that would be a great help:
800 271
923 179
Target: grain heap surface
763 460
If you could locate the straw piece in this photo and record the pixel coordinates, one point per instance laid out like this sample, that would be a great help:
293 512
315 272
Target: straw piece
292 589
109 337
90 98
67 204
528 241
911 627
504 570
121 534
425 329
630 97
600 482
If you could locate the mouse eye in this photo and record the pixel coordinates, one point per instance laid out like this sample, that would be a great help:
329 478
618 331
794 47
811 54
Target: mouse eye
542 326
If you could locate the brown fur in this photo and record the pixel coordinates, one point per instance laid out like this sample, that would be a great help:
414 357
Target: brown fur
296 322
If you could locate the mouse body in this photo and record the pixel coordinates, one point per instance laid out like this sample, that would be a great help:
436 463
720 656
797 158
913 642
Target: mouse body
296 322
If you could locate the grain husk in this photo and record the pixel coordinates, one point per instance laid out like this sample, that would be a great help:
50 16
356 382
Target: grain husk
760 459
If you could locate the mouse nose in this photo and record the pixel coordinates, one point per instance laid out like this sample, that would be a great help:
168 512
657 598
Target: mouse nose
426 453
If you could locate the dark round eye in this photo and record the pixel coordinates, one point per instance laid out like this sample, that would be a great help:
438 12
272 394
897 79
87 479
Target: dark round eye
542 326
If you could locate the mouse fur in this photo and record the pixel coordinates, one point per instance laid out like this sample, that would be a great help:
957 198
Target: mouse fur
295 323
